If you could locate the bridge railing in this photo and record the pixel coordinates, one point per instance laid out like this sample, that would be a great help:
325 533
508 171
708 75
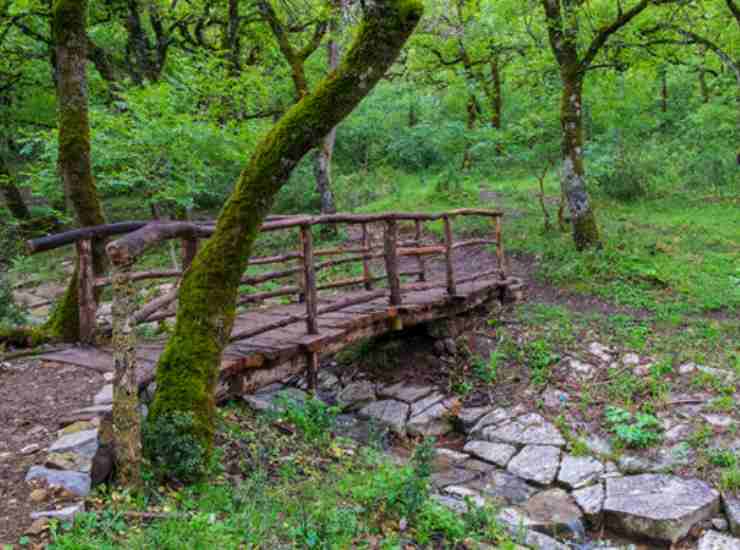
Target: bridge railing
400 235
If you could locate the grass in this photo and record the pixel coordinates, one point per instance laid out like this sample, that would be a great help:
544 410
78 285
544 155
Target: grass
268 489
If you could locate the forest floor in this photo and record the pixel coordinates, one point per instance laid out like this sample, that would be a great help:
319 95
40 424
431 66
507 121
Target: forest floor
662 297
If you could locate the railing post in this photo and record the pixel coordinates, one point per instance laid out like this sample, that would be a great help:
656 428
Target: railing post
309 280
420 259
365 261
451 286
500 249
301 277
126 419
86 291
391 260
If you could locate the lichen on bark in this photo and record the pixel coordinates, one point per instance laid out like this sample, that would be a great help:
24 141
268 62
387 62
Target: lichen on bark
187 371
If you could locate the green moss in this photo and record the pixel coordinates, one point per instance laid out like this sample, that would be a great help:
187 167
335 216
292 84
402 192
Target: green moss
64 322
585 231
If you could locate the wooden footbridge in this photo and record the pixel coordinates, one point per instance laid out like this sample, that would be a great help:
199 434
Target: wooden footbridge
404 275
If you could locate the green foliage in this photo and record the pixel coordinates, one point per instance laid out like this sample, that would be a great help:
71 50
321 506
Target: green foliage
312 417
640 430
540 356
172 449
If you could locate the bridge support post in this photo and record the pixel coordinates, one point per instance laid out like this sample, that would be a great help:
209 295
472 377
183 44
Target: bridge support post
500 249
367 274
420 259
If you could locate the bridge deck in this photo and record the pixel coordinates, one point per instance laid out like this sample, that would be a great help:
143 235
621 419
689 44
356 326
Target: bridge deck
261 359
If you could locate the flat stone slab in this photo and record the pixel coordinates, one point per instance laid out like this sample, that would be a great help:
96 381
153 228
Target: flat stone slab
579 471
530 429
426 402
84 442
434 421
659 507
63 514
355 395
403 392
591 501
553 511
712 540
388 413
469 416
538 463
503 488
75 482
453 476
497 453
496 417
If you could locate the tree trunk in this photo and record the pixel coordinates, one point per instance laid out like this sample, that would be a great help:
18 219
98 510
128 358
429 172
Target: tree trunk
12 195
470 125
325 152
703 86
573 177
74 149
187 370
496 97
663 91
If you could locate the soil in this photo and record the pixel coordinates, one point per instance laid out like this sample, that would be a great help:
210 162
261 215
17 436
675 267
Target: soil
34 398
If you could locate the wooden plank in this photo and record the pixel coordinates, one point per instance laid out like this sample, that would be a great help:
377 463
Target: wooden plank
97 359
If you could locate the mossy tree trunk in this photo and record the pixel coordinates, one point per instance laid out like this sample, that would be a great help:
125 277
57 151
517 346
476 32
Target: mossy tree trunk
562 20
187 371
12 195
70 40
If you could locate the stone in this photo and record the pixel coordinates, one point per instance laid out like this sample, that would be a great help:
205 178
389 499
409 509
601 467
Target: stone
104 396
64 514
731 506
30 449
450 346
600 351
641 370
497 453
719 420
464 492
579 471
423 404
630 359
581 369
725 376
677 433
502 487
38 526
356 395
477 465
404 392
591 501
435 421
658 507
712 540
469 416
554 399
538 463
388 413
553 511
75 482
69 461
80 426
327 380
720 524
454 504
84 443
446 458
530 429
540 541
94 411
38 495
687 368
453 476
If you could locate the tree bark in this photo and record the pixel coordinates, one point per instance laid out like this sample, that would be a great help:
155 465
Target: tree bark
70 39
496 97
573 176
12 195
326 150
187 371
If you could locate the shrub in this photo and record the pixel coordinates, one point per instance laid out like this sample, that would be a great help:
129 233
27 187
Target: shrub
168 440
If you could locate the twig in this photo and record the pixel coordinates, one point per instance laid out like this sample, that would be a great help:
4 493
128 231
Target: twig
28 353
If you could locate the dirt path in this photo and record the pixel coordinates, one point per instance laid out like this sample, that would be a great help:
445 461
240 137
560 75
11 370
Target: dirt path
33 399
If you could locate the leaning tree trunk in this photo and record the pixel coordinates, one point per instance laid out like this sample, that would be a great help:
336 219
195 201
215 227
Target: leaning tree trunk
12 195
187 371
326 150
70 38
573 177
